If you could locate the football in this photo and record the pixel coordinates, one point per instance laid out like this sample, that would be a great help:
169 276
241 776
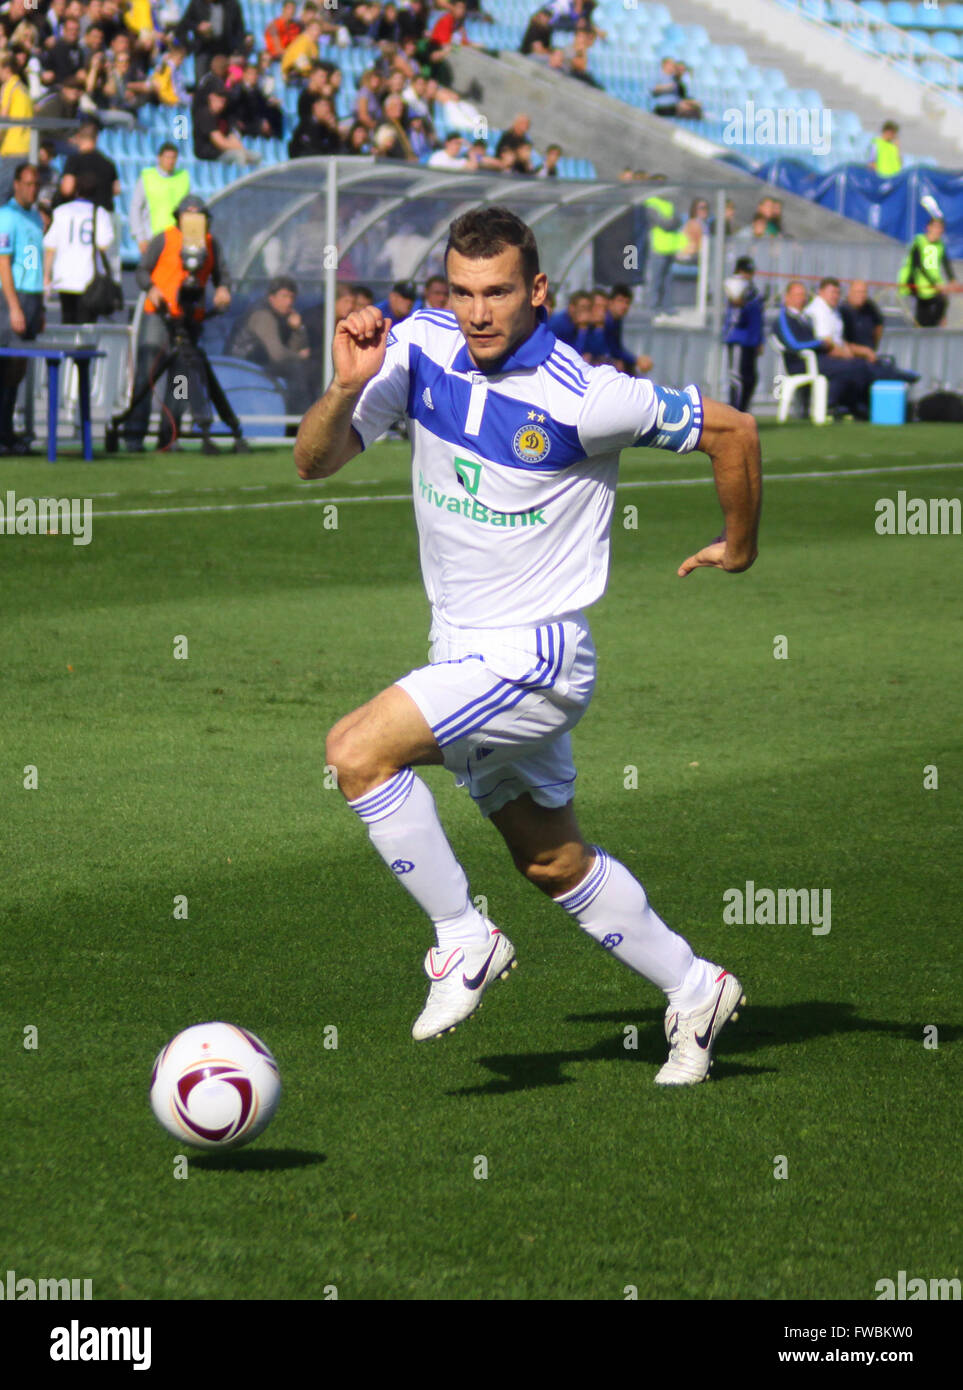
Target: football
735 288
215 1086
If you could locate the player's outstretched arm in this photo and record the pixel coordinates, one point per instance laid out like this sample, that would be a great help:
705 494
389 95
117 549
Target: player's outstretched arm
326 440
731 440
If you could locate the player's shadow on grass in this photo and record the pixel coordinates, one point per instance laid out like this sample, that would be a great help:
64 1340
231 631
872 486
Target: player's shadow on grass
758 1028
772 1025
526 1071
258 1160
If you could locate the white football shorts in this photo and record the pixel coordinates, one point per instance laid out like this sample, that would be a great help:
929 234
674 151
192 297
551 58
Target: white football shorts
501 703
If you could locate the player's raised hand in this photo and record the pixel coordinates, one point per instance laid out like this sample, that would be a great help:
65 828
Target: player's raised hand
360 343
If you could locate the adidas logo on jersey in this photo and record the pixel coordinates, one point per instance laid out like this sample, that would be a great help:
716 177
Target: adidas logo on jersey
426 397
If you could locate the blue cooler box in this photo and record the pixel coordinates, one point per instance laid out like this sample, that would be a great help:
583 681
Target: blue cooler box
887 403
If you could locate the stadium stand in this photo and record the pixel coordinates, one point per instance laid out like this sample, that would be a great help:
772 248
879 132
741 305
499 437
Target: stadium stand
623 60
608 57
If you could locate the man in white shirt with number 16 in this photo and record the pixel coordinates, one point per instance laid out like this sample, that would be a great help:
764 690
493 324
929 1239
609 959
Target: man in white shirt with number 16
515 453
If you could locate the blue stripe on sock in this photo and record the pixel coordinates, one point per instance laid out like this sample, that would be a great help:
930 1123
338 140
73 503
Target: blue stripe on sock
585 893
381 802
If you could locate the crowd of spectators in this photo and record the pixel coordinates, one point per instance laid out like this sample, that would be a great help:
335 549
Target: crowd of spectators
111 59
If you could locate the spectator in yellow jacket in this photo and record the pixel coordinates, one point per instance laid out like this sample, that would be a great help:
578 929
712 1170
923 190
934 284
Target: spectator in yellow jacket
138 16
15 101
302 53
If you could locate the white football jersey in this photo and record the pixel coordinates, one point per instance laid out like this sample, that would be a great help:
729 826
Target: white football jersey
71 236
514 472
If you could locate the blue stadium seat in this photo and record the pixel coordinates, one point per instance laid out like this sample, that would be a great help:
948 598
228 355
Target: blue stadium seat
928 17
920 42
874 10
888 43
947 43
735 57
901 13
936 72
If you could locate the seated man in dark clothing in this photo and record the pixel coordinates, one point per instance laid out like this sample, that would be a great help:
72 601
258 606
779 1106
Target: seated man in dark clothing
255 113
65 56
861 328
272 334
849 377
318 134
670 96
537 38
862 320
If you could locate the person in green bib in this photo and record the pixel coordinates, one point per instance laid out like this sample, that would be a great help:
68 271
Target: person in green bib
927 274
666 241
887 159
156 194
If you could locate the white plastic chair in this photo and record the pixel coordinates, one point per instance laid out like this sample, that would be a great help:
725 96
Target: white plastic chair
786 384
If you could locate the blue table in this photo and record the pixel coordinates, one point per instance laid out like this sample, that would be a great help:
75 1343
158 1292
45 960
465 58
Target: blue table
54 356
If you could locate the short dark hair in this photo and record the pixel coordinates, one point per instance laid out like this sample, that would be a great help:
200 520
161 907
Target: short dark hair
21 169
576 296
485 232
828 280
167 145
282 282
85 185
620 291
436 280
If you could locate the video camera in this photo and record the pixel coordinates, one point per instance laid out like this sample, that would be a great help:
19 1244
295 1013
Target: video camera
193 220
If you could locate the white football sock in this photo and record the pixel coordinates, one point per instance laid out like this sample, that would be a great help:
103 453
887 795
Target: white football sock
404 828
612 907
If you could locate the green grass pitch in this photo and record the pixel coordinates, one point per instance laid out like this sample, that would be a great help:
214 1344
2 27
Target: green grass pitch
203 777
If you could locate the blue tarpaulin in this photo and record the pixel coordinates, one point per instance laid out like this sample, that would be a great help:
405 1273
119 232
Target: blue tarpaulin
890 206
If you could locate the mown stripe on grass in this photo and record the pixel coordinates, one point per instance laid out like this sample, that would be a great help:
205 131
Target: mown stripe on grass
407 496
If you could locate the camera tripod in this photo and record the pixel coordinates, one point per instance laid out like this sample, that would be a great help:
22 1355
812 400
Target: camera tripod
186 357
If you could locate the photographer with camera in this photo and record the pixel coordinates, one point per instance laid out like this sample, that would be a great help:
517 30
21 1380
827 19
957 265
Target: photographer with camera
174 271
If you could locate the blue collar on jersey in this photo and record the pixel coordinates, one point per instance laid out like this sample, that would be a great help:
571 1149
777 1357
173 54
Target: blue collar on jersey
529 353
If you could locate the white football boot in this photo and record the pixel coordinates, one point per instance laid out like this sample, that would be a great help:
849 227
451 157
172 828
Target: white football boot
691 1035
459 978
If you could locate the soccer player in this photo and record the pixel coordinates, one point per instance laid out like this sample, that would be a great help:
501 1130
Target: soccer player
515 452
